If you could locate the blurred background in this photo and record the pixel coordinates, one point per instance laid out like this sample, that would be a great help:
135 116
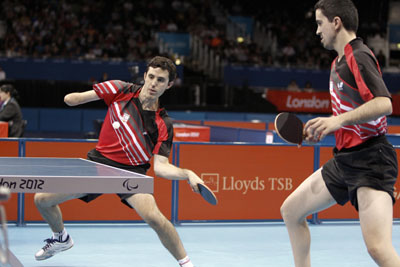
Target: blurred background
231 55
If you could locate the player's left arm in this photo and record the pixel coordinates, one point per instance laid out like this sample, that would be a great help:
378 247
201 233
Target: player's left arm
371 88
316 129
78 98
163 168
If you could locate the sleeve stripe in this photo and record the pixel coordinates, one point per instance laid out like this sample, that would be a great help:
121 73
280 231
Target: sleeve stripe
111 87
362 87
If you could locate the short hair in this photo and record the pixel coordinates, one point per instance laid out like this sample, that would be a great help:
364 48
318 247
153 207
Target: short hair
9 88
344 9
164 64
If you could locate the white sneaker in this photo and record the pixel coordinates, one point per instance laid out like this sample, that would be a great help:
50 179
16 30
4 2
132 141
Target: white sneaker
52 247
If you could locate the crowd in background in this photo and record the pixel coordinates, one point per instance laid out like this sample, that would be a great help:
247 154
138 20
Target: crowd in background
126 30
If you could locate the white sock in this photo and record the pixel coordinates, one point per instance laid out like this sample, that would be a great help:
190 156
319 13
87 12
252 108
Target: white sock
185 262
61 236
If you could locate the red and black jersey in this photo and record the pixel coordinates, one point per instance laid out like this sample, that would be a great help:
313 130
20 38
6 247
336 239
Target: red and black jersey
354 80
131 135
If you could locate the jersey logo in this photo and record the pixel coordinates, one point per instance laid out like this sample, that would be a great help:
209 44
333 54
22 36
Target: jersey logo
340 86
126 117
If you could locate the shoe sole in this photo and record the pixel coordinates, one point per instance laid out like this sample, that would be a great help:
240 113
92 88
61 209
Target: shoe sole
41 259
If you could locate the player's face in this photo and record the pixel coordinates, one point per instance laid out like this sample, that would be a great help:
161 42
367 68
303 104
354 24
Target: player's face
156 81
4 96
325 30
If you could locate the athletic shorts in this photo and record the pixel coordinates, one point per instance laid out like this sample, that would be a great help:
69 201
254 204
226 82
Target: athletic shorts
372 164
96 156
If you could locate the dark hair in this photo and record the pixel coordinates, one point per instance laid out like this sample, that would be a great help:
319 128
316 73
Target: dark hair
344 9
165 64
9 88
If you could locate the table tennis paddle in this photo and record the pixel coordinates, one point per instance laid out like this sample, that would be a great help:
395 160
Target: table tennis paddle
207 194
289 127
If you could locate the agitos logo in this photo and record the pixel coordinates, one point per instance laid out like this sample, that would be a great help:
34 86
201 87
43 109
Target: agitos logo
128 186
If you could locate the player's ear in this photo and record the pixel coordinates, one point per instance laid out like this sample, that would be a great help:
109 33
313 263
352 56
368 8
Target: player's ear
170 84
144 75
337 23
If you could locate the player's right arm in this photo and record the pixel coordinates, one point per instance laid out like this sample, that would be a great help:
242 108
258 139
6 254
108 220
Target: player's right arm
74 99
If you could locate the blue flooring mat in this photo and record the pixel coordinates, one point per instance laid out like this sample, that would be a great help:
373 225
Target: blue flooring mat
208 245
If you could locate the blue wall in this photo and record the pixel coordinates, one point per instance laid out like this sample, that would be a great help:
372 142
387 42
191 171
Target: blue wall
80 120
72 120
274 77
70 70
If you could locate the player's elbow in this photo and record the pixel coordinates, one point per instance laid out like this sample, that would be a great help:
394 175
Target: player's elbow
70 100
158 169
387 107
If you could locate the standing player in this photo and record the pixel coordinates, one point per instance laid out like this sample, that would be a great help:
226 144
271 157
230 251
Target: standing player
364 167
135 129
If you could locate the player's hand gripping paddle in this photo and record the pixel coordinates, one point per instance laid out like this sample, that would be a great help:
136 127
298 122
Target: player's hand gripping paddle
289 127
207 194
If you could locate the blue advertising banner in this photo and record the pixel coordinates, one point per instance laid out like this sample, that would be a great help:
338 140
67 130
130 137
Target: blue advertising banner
178 42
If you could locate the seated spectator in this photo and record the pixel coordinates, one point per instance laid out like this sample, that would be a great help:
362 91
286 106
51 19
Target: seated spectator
10 110
308 87
293 87
2 74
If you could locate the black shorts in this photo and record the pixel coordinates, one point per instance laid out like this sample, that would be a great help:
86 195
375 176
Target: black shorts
372 164
96 156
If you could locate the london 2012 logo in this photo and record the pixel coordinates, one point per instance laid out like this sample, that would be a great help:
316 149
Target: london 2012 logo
129 186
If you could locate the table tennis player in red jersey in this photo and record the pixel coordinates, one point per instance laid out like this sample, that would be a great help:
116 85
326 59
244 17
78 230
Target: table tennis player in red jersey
364 167
136 128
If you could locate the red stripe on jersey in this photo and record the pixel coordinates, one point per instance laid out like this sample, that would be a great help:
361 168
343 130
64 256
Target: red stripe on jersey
110 87
128 132
376 61
162 132
351 61
133 158
104 89
114 84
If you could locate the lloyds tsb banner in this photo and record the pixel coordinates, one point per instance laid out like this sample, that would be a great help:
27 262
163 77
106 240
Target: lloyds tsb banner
315 102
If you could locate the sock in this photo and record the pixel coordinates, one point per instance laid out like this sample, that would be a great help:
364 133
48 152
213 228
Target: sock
185 262
61 236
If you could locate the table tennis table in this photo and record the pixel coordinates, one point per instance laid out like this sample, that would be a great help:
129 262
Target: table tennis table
67 175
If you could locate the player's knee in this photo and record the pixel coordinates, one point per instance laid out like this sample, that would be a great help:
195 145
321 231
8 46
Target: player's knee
40 200
155 220
285 211
289 214
377 252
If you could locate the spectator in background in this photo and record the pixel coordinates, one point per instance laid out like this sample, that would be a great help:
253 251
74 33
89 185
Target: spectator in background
2 74
104 77
10 110
293 86
308 87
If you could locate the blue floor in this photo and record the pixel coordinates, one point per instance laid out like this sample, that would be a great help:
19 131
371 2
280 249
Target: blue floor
208 245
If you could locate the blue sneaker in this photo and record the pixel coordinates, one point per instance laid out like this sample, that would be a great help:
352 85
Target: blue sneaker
52 247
